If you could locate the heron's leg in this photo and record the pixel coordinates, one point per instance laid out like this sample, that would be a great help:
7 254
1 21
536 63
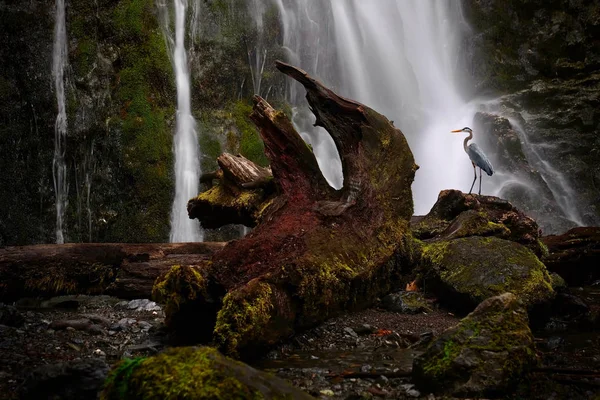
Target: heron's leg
479 180
474 179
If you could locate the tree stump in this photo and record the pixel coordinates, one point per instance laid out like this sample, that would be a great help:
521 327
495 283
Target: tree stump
315 251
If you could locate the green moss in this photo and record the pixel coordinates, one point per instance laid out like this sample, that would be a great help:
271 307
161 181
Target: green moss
145 93
251 145
245 315
118 379
180 285
483 267
500 329
180 373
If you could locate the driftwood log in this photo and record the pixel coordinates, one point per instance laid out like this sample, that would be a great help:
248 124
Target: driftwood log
243 187
123 270
315 250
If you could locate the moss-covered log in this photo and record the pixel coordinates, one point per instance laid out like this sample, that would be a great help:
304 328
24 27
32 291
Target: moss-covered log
123 270
316 250
242 190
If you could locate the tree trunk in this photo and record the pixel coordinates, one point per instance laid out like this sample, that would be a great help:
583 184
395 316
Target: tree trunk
315 250
123 270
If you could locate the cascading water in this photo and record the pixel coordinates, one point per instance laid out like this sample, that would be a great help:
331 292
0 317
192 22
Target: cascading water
257 55
405 59
59 167
187 152
399 57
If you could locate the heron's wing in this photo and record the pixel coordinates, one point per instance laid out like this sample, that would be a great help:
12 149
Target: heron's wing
479 158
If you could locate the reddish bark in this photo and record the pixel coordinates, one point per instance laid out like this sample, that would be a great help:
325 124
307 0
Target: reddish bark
316 250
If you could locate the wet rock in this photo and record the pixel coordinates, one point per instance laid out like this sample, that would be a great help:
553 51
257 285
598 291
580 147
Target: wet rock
10 316
457 215
69 381
364 329
484 355
83 324
463 272
406 303
140 305
350 332
575 255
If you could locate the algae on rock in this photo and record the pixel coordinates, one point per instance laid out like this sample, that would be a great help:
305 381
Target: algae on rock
485 355
463 272
193 373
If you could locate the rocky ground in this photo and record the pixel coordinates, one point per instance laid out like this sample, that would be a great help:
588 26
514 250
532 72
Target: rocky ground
363 355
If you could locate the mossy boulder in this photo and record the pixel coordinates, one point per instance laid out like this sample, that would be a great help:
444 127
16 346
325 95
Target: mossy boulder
457 214
485 355
406 303
193 373
463 272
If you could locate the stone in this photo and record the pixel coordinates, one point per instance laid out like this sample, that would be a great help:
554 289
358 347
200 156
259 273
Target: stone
575 255
10 316
484 355
406 303
75 380
463 272
456 215
194 373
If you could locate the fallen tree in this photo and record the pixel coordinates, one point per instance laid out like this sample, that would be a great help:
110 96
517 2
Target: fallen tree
315 250
123 270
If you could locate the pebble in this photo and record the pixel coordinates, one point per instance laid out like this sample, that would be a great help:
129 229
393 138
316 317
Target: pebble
99 353
350 332
327 392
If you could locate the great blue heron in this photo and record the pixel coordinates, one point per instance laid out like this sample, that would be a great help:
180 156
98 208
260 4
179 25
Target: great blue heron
477 157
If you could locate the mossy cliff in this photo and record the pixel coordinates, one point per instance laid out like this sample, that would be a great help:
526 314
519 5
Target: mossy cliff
121 101
193 373
544 57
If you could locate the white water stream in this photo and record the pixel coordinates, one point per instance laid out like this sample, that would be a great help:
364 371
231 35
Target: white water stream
399 57
187 152
59 167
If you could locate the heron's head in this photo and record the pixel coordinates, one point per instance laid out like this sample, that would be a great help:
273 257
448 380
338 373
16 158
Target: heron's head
465 129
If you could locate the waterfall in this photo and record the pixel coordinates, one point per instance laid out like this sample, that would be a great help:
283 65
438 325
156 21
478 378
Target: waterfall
257 55
59 166
398 57
187 152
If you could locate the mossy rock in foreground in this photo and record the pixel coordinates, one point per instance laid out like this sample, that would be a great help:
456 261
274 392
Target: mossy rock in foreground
484 355
193 373
464 272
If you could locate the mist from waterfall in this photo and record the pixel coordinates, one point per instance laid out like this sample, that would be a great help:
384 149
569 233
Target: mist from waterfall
59 167
186 148
399 57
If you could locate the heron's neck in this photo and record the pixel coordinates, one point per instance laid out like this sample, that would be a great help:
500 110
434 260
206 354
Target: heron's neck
467 140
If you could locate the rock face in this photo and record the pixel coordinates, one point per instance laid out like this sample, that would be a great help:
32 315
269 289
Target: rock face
527 188
120 100
544 57
483 356
463 272
456 215
575 255
193 373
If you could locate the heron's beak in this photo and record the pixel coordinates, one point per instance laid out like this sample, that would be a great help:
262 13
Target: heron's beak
458 130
